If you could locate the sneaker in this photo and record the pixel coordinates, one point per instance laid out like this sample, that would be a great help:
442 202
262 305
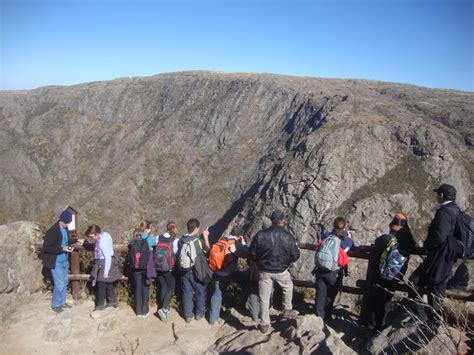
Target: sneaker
410 323
289 313
219 321
100 308
264 328
163 315
188 320
111 304
67 305
139 315
199 317
57 309
146 315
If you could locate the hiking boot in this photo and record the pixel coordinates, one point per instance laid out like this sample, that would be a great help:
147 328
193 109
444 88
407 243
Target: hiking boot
264 328
57 309
188 320
289 313
163 315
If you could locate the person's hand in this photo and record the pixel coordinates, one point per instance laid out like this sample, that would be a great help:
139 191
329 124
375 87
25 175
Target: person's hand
80 241
68 249
205 233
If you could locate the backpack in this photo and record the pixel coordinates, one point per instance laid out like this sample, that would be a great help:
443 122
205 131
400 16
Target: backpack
187 256
464 234
138 253
326 257
460 279
164 255
391 261
219 256
201 269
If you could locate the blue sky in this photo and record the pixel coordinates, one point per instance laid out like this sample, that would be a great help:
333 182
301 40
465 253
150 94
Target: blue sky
422 42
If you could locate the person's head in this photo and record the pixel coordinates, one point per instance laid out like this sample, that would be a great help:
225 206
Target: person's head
172 229
143 226
93 231
278 217
398 222
445 192
339 227
65 218
193 226
237 231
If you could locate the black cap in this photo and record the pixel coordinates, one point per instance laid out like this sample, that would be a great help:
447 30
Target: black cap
277 216
447 190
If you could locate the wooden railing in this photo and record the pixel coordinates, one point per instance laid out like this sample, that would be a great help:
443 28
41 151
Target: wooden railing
360 252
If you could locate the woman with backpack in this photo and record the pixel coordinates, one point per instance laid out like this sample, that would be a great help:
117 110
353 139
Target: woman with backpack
106 270
330 259
165 257
142 270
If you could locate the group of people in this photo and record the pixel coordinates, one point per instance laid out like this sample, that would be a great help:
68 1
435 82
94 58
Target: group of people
200 266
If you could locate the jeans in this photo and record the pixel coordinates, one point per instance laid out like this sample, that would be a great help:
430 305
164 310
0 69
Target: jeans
192 287
265 288
166 285
102 289
219 287
60 280
253 302
142 292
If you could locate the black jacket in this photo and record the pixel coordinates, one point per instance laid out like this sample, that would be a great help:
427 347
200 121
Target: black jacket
440 246
274 249
52 245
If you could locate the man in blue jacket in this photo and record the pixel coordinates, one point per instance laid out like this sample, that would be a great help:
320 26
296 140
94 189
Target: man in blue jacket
56 247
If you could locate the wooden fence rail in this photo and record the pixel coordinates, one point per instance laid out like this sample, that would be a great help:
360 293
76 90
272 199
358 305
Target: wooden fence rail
360 252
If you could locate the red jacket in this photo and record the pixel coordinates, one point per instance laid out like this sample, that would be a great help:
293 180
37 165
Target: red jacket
342 259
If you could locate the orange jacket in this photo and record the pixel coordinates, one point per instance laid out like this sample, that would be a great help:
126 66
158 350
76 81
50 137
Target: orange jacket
342 259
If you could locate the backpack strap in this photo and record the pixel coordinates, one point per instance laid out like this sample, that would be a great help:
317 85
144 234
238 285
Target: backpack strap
389 246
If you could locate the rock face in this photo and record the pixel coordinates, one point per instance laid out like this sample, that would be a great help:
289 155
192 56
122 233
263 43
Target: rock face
20 269
228 148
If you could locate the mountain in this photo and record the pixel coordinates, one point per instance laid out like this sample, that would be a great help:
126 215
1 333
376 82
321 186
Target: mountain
228 148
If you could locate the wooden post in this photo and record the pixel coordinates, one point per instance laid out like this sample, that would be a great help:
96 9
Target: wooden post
75 269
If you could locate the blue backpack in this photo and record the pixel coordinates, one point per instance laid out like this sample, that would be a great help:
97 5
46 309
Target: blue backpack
392 261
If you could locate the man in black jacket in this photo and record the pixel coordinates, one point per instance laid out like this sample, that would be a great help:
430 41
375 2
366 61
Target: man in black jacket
274 249
56 247
440 245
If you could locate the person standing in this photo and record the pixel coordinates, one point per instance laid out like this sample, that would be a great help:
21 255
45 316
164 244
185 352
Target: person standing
56 247
273 250
167 246
189 245
329 278
106 269
432 275
140 253
380 289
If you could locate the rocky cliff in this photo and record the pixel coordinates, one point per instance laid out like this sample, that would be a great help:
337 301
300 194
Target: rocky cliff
228 148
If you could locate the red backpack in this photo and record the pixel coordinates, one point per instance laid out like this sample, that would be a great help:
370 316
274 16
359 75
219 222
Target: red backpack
219 254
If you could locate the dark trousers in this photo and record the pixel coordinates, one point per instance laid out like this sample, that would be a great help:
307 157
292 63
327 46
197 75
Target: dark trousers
435 297
328 285
142 292
103 289
166 284
192 287
381 293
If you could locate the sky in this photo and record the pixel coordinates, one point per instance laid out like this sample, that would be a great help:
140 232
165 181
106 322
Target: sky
422 42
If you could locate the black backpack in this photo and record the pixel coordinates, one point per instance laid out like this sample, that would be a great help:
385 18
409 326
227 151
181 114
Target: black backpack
464 234
138 254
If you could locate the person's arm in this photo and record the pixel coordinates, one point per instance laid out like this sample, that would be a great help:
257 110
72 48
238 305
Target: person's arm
107 250
205 234
253 248
51 245
241 250
295 251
